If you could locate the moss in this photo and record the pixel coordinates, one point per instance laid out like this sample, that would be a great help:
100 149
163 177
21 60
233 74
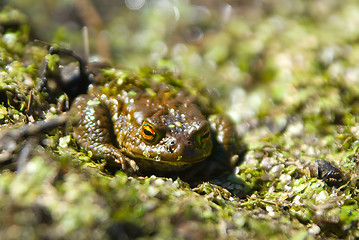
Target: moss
286 71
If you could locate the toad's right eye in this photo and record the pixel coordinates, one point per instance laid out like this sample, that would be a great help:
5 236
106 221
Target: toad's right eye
148 132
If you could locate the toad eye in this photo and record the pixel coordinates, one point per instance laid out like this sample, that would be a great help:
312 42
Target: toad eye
148 132
206 135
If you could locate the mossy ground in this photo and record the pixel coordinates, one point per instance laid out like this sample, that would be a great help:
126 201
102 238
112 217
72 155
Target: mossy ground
286 72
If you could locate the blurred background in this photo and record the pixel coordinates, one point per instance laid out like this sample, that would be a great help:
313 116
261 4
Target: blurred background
254 53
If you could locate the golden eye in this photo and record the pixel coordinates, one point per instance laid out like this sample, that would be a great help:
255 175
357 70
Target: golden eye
148 132
206 135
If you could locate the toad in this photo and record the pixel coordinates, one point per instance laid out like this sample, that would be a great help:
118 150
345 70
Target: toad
145 125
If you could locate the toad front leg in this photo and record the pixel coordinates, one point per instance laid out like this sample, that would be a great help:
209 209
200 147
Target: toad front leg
94 132
227 148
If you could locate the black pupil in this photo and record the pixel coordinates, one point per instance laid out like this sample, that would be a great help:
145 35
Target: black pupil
206 134
147 132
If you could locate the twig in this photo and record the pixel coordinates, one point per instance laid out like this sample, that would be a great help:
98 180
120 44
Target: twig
10 139
38 127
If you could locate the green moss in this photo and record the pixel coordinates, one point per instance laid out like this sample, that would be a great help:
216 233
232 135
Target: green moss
287 73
